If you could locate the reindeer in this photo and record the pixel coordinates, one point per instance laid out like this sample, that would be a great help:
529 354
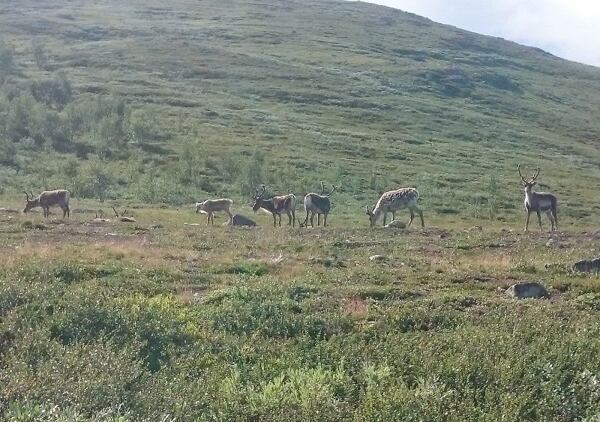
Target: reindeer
210 206
48 198
394 200
276 205
538 201
317 204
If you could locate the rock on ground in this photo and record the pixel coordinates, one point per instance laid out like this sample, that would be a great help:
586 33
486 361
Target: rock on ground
525 290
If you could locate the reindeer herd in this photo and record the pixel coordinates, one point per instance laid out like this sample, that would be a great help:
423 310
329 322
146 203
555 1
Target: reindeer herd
320 204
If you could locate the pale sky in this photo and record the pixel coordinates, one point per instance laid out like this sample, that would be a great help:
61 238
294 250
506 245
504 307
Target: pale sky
565 28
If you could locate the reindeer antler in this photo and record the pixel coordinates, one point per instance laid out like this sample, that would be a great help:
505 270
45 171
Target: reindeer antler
522 178
26 195
334 187
536 175
322 188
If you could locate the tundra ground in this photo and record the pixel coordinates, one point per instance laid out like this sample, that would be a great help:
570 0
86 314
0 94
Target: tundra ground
161 320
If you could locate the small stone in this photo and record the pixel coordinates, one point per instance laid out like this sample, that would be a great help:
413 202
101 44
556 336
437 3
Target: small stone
378 258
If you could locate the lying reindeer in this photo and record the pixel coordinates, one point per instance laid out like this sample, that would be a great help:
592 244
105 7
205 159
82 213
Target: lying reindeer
276 205
48 198
210 206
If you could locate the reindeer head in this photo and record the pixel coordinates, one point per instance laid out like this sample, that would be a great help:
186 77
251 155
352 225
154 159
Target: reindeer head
258 196
30 203
528 183
372 218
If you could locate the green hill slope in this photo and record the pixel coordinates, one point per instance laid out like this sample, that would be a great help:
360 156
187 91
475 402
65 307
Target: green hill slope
168 104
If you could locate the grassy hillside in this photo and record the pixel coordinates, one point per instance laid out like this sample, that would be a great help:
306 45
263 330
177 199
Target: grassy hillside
169 104
150 107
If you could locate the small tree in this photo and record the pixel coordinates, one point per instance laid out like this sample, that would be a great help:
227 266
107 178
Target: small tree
40 56
254 174
7 62
56 92
493 194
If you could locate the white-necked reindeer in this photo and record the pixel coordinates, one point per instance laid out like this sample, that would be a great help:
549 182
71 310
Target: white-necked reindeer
276 205
538 201
210 206
317 204
48 198
393 201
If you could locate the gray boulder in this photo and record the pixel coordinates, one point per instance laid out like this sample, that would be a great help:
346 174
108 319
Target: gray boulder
525 290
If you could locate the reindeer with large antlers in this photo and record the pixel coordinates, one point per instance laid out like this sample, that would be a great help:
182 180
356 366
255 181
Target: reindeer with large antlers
48 198
276 205
538 201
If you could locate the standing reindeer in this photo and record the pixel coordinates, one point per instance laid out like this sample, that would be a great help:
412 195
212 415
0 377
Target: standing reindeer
276 205
394 200
210 206
538 201
317 204
48 198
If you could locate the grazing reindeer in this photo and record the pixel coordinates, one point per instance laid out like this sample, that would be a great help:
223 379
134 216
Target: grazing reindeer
210 206
276 205
394 200
538 201
317 204
48 198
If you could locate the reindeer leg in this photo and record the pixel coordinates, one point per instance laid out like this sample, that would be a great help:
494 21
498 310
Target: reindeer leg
306 219
539 216
527 220
549 215
384 217
293 218
312 219
421 216
393 215
324 220
279 220
274 220
554 215
412 217
318 219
